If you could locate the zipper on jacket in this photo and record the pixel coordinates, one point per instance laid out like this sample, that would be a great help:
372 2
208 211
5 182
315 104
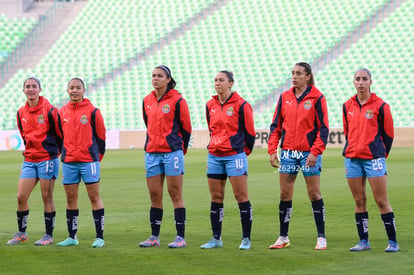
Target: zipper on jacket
76 131
297 122
359 128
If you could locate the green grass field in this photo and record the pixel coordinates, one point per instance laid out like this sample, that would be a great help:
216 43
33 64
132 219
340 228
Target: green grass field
126 201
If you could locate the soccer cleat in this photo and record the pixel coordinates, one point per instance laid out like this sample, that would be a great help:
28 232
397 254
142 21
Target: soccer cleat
361 246
19 237
45 240
321 244
281 242
245 244
178 243
152 241
212 243
392 247
68 242
98 243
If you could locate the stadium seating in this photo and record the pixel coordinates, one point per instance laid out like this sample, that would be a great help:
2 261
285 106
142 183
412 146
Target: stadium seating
105 35
388 52
12 32
259 59
258 40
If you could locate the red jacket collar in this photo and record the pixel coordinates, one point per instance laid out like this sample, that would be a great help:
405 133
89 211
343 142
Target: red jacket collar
42 101
233 98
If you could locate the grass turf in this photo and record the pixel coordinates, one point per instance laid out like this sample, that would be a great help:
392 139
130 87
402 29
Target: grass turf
126 201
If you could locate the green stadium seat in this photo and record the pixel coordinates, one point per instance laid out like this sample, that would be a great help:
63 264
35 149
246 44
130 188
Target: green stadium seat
255 39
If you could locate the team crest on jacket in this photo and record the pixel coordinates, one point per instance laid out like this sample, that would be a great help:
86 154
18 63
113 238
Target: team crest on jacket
41 119
307 105
369 114
166 109
84 119
230 111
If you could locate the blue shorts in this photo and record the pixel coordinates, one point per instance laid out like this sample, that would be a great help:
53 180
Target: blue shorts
291 162
356 168
170 164
73 172
228 166
46 170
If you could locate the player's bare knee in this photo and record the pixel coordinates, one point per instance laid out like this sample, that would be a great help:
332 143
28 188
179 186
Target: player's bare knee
217 198
285 196
361 202
314 196
175 197
95 199
47 197
155 195
22 199
383 204
241 197
174 193
71 199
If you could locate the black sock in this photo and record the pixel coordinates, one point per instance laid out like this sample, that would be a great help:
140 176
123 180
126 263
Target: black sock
99 219
22 217
155 220
246 217
362 225
216 218
318 209
179 217
49 222
285 211
389 224
72 222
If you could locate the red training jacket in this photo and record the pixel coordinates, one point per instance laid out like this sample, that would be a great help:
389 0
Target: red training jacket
168 122
84 132
368 129
231 126
39 130
300 124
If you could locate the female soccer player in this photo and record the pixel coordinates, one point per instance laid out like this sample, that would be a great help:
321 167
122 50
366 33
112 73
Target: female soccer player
300 128
232 136
167 118
84 135
369 132
37 122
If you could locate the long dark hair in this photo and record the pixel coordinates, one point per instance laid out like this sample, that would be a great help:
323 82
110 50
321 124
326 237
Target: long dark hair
308 71
172 83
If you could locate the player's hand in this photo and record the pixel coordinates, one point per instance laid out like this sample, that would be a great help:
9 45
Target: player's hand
274 160
311 160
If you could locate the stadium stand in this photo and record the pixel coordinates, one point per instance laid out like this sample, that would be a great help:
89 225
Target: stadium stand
12 31
387 50
258 40
260 60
